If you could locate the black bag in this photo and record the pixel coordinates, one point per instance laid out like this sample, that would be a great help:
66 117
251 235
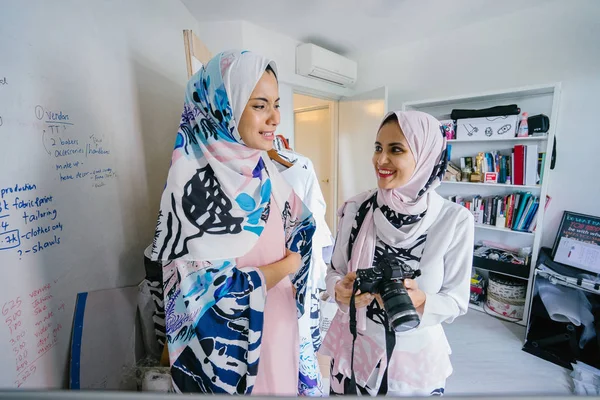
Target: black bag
538 123
497 111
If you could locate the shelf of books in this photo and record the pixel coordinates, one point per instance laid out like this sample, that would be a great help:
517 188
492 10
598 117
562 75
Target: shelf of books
500 171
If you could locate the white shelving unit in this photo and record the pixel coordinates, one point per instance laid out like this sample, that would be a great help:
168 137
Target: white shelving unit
496 185
512 140
541 99
503 230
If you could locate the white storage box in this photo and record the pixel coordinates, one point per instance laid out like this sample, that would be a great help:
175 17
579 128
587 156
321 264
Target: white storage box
487 127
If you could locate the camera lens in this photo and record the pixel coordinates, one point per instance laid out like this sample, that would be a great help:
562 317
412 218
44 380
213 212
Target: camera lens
401 313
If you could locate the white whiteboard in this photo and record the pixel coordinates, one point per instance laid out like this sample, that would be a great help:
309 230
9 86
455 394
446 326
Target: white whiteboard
58 190
86 131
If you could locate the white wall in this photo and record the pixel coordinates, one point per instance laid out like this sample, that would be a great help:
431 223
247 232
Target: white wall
221 36
550 43
118 70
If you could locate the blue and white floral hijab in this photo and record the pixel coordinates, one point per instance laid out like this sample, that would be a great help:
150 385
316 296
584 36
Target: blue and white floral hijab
213 210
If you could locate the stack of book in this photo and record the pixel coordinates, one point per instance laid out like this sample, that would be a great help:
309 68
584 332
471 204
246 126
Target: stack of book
524 166
517 211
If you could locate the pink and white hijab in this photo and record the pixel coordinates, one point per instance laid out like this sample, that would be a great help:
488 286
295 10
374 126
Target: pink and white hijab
416 201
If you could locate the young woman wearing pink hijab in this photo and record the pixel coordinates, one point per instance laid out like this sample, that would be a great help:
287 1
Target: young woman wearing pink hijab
401 226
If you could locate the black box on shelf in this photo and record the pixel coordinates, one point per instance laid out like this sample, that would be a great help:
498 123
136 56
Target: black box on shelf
518 270
538 124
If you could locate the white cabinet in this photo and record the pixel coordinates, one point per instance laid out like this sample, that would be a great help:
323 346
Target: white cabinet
534 100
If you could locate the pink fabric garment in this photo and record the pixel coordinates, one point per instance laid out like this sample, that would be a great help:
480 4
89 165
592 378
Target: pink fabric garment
422 132
280 349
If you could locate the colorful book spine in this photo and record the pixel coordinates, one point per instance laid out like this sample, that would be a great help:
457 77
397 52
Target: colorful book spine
533 224
522 204
519 165
525 214
509 200
531 215
518 211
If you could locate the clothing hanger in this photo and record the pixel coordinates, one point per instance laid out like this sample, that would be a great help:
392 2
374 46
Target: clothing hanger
283 141
279 143
274 155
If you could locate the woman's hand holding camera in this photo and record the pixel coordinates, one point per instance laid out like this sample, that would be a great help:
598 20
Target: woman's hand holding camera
417 296
343 292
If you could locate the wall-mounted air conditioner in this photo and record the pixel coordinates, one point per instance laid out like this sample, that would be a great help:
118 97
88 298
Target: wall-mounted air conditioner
316 62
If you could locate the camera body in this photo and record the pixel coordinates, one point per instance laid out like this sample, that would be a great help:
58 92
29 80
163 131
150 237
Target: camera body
386 278
389 268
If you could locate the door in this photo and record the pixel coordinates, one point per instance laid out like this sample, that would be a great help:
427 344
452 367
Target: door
359 119
313 137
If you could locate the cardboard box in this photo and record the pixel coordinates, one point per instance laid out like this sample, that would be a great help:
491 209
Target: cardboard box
487 127
491 177
106 342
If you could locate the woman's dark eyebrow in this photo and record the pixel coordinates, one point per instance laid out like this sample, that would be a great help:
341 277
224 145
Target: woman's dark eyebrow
396 144
264 99
392 144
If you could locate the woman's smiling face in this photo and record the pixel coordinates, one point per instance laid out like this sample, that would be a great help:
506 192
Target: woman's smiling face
393 159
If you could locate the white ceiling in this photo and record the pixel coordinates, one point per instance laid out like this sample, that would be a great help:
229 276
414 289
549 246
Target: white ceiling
352 27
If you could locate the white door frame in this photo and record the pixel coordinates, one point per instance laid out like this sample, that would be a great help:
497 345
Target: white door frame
308 109
334 116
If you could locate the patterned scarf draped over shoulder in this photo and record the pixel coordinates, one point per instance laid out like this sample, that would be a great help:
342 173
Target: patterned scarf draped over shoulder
213 210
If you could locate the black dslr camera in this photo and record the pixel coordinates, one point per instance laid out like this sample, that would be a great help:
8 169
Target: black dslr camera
386 278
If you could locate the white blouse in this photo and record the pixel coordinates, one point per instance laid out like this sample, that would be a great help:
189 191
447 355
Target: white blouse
303 179
420 362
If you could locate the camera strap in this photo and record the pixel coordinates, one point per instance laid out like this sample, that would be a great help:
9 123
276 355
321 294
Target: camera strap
390 336
352 384
390 343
